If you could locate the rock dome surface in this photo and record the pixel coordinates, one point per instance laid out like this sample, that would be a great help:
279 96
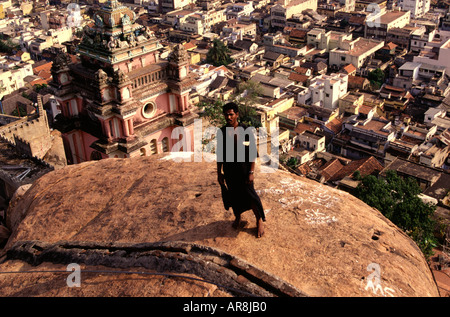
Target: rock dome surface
155 214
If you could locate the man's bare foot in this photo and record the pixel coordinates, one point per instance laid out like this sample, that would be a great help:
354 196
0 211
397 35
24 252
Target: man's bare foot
260 227
236 222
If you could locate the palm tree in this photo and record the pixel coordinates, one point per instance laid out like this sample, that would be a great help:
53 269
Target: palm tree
219 54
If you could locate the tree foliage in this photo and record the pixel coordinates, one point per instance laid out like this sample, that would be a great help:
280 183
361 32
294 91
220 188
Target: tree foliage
376 77
212 111
219 54
7 46
398 200
292 162
246 96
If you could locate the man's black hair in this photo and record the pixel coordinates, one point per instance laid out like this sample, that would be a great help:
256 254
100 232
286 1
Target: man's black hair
231 106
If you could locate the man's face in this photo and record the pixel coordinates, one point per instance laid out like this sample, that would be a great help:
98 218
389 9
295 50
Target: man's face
231 117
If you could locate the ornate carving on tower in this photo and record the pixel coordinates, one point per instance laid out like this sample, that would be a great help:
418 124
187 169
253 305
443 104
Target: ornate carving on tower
123 84
178 63
178 54
60 69
101 78
180 82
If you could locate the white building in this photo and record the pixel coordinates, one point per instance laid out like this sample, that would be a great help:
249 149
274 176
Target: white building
354 52
323 40
379 23
311 141
239 9
418 8
13 79
193 23
438 56
286 9
61 35
324 91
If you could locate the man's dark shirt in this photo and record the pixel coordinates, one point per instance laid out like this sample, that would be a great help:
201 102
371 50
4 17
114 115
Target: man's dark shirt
236 149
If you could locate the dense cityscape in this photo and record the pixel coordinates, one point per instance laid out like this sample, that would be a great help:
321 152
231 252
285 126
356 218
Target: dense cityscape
348 88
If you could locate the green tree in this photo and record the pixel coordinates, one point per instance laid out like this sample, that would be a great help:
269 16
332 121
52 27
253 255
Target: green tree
292 162
398 200
212 111
219 54
39 87
376 77
246 96
7 46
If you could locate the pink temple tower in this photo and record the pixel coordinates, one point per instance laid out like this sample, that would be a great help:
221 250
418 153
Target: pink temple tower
121 99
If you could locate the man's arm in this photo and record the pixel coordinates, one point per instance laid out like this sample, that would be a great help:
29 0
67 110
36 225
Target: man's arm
251 173
220 177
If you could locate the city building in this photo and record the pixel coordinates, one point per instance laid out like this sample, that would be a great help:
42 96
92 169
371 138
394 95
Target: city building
417 8
378 25
435 53
323 40
354 52
325 91
286 9
238 10
170 5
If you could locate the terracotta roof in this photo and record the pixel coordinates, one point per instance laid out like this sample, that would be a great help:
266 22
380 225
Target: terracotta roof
356 80
365 166
357 20
189 45
330 168
298 77
302 127
335 125
390 46
46 66
39 82
365 109
43 71
298 33
301 70
350 68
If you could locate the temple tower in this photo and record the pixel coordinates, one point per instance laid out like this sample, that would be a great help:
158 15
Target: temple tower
121 99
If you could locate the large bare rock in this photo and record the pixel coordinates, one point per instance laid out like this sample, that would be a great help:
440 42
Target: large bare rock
318 241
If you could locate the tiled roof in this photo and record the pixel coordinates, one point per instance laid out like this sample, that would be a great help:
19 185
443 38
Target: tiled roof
365 166
356 80
350 68
298 33
335 125
330 168
298 77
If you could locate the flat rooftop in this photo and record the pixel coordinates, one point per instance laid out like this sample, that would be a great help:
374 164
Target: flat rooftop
294 112
414 170
390 17
374 126
363 46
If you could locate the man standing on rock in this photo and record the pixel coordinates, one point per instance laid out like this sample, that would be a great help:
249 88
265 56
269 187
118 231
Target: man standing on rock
236 156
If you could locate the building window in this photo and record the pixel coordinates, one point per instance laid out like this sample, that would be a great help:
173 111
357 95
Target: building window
153 147
165 144
149 110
